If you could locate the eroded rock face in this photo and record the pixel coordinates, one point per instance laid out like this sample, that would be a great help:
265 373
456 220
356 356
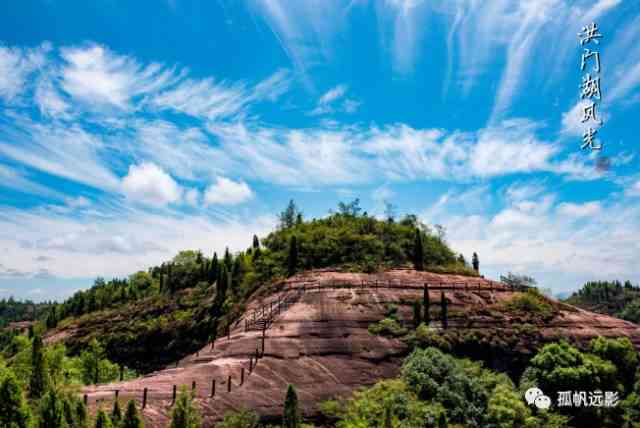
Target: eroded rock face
320 342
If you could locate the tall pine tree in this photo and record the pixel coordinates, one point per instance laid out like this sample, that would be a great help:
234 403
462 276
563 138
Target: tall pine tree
116 414
102 420
426 304
443 306
291 417
52 411
213 269
292 259
418 251
184 414
38 383
417 313
14 411
131 417
475 261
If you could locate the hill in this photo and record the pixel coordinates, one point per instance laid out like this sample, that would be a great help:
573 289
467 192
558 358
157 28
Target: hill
341 331
169 311
609 297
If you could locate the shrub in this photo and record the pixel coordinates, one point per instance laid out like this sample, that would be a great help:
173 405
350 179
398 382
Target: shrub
387 327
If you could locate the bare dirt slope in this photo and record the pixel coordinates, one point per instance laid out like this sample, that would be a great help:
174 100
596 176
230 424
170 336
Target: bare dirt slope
320 343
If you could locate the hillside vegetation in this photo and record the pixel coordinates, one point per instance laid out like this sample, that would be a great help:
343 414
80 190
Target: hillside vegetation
610 298
157 316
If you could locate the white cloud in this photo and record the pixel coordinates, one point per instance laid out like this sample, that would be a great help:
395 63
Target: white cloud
15 66
329 102
119 241
333 94
149 184
62 150
633 189
579 210
192 197
228 192
98 77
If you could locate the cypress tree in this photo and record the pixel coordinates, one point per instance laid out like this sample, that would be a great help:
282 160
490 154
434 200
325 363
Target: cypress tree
184 414
213 269
418 251
131 417
102 420
228 259
256 242
170 281
475 261
443 305
417 313
292 259
81 415
426 304
38 383
14 411
69 414
116 414
52 411
291 417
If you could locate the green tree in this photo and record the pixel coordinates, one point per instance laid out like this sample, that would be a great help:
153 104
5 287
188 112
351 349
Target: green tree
14 412
388 417
291 416
288 216
417 313
442 421
621 353
242 419
81 415
131 417
116 414
102 420
38 383
213 268
256 242
52 411
506 409
184 414
292 258
443 308
418 251
475 262
426 304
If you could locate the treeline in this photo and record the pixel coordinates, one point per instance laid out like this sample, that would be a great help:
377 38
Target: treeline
348 239
12 310
609 297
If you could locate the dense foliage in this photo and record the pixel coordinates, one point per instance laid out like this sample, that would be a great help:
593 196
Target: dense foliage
609 297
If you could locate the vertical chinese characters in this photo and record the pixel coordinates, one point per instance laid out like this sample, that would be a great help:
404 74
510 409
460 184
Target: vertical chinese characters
590 86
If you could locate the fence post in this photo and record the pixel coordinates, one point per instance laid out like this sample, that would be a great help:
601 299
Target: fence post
229 384
213 387
242 376
193 386
144 398
117 393
86 399
174 394
263 346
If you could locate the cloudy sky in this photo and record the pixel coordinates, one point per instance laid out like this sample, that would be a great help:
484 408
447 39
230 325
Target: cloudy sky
132 130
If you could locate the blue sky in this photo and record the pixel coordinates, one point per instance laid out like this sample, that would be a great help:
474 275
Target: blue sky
132 130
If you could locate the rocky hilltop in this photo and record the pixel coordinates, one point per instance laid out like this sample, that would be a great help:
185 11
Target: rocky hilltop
314 327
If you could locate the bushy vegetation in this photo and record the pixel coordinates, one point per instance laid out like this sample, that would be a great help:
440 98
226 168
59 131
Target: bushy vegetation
530 302
436 389
610 298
